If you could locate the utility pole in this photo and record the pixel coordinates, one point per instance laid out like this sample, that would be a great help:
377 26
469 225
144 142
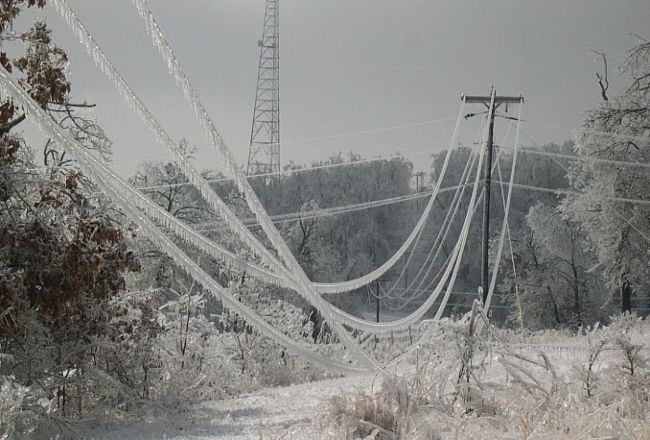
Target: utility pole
492 102
419 186
377 302
487 192
377 296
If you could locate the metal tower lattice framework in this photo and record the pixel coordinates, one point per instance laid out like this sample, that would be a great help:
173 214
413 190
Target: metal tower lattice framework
264 151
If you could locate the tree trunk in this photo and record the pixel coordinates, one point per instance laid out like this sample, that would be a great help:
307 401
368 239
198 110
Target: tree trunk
556 311
576 294
626 296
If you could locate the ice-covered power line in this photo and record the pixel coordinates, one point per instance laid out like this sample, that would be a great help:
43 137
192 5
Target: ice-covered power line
299 167
206 191
301 142
441 237
132 101
561 191
536 151
217 142
259 211
378 272
255 206
304 287
634 138
573 157
448 278
104 178
362 132
220 146
432 257
262 216
288 172
336 210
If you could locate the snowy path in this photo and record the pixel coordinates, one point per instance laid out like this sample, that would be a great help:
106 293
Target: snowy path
271 413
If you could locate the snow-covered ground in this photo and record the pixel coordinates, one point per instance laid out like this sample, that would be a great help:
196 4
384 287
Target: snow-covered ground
548 367
291 412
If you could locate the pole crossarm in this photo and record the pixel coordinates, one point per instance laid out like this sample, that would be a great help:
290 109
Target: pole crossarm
497 99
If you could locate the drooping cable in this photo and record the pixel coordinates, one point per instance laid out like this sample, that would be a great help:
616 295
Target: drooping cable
464 233
420 290
110 71
448 277
297 170
377 273
217 142
451 212
441 237
204 188
103 177
107 68
520 312
164 48
336 210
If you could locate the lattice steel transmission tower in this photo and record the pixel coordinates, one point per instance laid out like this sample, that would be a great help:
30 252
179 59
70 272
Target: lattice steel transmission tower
264 151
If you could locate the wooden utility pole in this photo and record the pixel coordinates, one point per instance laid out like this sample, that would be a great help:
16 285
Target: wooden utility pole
492 102
487 192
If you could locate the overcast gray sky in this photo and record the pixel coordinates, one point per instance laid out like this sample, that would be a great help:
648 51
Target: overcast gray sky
352 65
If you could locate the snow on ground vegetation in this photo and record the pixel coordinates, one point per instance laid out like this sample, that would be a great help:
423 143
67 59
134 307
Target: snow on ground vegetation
465 379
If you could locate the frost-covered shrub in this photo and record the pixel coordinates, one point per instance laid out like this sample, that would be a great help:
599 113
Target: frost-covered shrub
262 360
381 415
129 354
487 384
11 401
190 348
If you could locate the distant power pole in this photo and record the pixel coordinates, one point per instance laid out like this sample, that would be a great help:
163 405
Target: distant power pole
264 151
419 186
492 102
